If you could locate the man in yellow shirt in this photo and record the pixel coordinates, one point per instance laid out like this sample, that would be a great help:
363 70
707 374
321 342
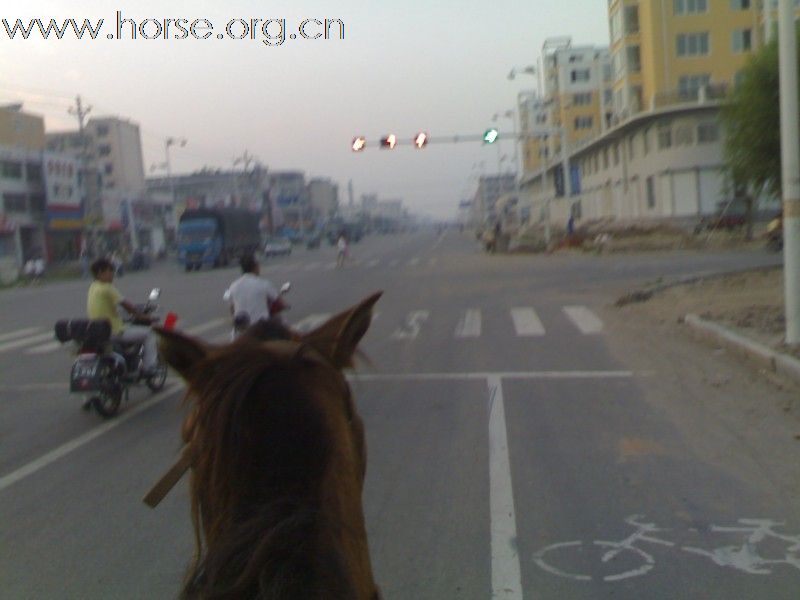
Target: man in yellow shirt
102 302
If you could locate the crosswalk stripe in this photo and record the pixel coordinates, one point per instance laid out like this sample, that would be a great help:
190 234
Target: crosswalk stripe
198 329
413 262
469 325
44 348
34 339
312 266
18 333
584 319
373 263
410 329
330 266
311 322
526 322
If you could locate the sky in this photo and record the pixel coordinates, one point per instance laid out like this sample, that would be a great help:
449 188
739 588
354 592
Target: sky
402 67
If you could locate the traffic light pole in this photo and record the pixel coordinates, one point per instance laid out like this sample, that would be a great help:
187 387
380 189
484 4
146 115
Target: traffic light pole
790 162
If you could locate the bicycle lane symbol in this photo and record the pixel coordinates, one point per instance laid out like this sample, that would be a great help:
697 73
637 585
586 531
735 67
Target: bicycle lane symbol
744 558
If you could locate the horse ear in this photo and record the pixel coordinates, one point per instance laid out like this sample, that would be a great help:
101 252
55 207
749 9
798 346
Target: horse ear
180 351
338 337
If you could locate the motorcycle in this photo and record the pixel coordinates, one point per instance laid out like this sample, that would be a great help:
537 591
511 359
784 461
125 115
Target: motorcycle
241 321
106 368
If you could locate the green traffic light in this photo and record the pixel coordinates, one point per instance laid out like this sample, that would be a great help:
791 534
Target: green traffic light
490 136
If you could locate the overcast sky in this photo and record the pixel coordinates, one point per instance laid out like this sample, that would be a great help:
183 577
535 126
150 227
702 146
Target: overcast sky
402 67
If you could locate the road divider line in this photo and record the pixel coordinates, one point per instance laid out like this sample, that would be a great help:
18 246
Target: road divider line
526 322
311 322
584 319
506 571
44 348
34 339
501 374
470 324
18 333
202 328
32 467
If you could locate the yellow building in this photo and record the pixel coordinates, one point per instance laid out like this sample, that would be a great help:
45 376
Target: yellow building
667 51
21 130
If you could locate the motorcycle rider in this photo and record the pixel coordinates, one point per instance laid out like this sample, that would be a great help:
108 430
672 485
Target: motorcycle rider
101 303
250 295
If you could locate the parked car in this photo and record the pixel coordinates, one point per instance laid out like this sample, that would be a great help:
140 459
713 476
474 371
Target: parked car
277 246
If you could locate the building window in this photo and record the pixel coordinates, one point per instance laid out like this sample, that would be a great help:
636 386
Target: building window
14 202
689 85
664 136
630 146
583 99
108 169
616 26
738 78
575 58
689 7
583 122
646 141
103 150
11 169
633 59
38 203
692 44
651 192
33 172
741 4
742 40
616 154
684 135
707 133
580 75
631 20
605 158
541 118
102 130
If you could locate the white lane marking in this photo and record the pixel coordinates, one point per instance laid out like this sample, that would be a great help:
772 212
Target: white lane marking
470 324
34 339
413 262
506 572
312 266
394 263
330 266
410 329
44 348
18 333
311 322
373 263
52 456
526 322
198 329
584 319
501 374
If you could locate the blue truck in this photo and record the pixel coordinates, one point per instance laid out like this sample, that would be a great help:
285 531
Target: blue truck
215 236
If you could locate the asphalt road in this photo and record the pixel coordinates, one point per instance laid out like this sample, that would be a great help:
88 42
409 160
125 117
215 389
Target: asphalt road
511 455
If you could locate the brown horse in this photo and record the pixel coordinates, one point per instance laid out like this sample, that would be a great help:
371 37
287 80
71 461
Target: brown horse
278 458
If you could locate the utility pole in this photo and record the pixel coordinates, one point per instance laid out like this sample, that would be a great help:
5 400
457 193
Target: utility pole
80 111
790 163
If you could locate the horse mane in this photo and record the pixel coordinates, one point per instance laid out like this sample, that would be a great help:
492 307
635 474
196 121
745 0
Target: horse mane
261 450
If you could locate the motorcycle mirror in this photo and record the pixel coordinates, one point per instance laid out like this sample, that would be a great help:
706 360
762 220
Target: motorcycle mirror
154 294
286 287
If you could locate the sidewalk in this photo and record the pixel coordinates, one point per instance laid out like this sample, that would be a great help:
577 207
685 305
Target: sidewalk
741 312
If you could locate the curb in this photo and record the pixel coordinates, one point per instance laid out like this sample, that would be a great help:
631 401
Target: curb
765 357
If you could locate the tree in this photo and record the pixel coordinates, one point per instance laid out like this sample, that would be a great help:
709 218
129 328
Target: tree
752 121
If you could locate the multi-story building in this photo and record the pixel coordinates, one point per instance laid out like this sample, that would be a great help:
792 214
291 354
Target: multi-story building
490 189
324 197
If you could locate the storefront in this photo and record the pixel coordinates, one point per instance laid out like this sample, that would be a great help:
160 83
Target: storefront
64 233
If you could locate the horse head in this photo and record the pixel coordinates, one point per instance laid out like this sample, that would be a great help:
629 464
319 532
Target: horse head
278 458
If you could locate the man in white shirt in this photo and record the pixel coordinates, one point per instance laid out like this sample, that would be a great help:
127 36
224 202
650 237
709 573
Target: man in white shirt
250 295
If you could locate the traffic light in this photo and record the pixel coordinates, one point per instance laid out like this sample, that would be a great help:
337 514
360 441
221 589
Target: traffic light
490 136
358 143
390 141
421 139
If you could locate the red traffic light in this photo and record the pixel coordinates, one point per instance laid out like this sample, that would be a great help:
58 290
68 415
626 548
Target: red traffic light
359 143
421 139
390 141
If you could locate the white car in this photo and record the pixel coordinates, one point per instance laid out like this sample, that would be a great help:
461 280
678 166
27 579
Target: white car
277 246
